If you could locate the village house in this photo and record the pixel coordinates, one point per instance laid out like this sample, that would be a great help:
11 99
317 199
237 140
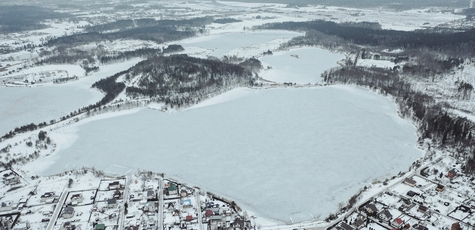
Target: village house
117 194
76 199
344 226
385 215
48 197
419 227
150 207
451 174
216 222
440 188
410 181
68 213
456 226
186 203
151 195
183 193
371 209
172 189
411 193
241 224
114 185
359 222
100 227
208 213
398 222
68 226
111 203
171 206
422 209
6 206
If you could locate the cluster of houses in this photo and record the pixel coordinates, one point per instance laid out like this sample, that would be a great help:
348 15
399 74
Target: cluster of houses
418 203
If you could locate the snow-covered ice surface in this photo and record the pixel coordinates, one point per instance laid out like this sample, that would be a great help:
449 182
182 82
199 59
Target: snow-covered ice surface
302 66
278 152
24 105
21 105
219 45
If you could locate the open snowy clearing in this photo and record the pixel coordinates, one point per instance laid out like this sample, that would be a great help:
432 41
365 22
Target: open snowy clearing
302 66
279 153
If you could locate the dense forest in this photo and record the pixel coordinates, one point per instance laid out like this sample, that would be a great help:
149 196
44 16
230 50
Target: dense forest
180 80
462 42
122 56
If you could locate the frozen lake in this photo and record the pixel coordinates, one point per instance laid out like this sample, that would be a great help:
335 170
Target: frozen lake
223 44
279 152
21 105
302 66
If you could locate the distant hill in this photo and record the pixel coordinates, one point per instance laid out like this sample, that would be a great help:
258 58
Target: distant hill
402 4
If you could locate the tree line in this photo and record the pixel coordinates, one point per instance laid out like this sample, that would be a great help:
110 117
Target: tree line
369 36
149 22
159 31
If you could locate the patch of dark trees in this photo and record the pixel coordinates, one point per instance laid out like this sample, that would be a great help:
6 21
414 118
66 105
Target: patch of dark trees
431 117
158 34
88 69
150 23
226 20
173 49
65 79
66 58
142 52
17 18
180 80
23 129
462 42
110 87
464 89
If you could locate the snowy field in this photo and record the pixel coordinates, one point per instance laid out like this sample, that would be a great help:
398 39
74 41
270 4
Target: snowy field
278 153
302 66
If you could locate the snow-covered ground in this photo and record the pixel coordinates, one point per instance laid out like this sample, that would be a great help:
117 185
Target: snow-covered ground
302 66
277 152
